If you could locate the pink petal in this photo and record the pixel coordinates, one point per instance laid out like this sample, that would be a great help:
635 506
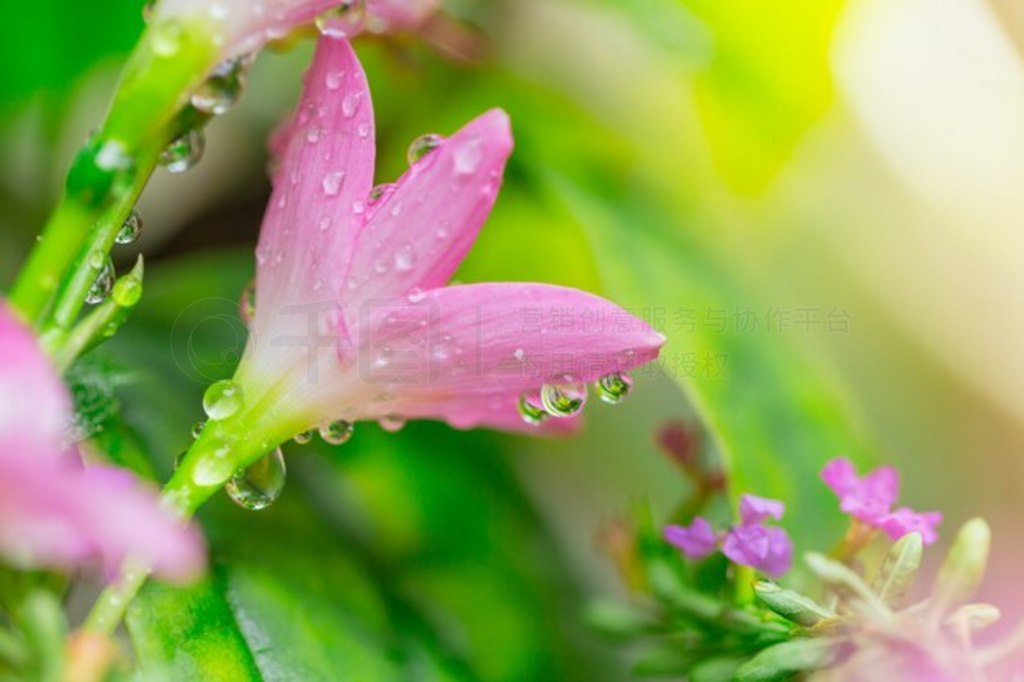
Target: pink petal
34 405
905 520
482 345
840 475
768 549
754 509
696 541
868 498
52 511
244 26
399 15
418 235
324 174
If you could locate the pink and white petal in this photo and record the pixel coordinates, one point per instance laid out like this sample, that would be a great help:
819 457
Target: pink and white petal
493 339
418 234
324 174
56 514
244 26
399 15
34 406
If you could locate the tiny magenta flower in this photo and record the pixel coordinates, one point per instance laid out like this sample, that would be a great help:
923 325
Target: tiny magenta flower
696 540
54 512
870 499
749 543
352 318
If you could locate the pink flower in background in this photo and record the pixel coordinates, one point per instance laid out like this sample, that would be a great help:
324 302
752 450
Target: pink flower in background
870 499
696 540
54 512
352 316
750 543
244 26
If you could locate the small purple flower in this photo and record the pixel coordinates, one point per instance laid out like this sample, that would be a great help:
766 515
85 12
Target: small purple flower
750 543
696 541
766 548
870 499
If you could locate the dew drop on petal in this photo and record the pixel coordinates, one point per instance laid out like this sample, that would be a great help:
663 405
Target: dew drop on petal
405 257
104 282
564 399
416 295
423 145
345 20
260 484
336 432
332 182
614 387
468 157
443 348
222 399
531 409
130 229
184 151
334 79
349 104
391 422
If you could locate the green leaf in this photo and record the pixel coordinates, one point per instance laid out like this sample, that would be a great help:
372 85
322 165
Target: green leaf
784 660
964 566
848 586
791 605
899 568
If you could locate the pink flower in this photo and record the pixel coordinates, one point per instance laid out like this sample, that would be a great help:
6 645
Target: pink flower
54 512
750 543
243 26
870 499
352 316
696 541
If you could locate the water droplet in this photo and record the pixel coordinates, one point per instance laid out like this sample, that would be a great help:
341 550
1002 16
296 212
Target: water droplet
332 182
197 428
531 409
222 399
391 422
166 38
184 151
247 302
423 145
336 432
303 437
519 354
468 157
127 291
334 79
563 400
363 130
350 103
443 348
381 191
416 295
213 469
405 257
104 282
345 20
258 486
358 207
130 229
222 87
383 357
614 387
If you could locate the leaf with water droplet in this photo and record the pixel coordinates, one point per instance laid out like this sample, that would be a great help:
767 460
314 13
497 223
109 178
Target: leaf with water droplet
422 146
899 568
222 399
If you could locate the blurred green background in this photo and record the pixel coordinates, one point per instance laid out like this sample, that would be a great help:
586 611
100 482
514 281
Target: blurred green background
818 203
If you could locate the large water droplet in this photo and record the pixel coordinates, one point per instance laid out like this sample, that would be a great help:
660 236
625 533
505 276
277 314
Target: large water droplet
336 432
130 229
423 145
222 399
258 486
392 422
184 151
222 87
468 157
104 282
563 400
614 387
531 409
332 182
345 20
405 257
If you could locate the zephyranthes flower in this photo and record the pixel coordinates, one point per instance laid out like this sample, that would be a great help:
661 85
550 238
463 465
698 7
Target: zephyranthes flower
353 320
53 511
